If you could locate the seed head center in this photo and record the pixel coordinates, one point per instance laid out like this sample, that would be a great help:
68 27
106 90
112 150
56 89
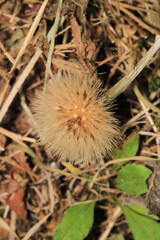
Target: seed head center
78 121
79 117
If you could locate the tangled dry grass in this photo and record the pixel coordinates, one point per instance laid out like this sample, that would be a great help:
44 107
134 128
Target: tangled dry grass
103 37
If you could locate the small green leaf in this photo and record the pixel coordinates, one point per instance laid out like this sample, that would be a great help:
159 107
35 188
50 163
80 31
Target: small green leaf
129 149
154 85
76 223
143 211
142 225
132 179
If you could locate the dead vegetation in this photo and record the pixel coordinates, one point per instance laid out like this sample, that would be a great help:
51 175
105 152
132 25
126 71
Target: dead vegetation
105 39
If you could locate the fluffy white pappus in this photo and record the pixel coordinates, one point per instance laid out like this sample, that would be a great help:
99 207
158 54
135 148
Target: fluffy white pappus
74 121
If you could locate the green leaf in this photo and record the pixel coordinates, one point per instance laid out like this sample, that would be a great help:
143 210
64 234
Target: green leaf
76 223
132 179
129 149
142 225
154 85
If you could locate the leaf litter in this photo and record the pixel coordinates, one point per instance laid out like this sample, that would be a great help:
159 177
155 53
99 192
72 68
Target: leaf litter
105 39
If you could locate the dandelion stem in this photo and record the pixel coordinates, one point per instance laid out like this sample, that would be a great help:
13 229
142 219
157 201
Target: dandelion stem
51 38
120 87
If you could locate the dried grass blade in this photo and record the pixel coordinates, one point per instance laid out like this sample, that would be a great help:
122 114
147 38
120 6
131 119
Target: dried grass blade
4 225
19 83
36 158
30 34
144 25
35 228
145 101
4 86
135 158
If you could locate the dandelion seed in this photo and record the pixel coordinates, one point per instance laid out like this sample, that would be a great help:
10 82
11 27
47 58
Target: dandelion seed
74 121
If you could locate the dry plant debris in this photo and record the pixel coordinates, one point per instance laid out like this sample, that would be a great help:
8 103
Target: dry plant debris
105 40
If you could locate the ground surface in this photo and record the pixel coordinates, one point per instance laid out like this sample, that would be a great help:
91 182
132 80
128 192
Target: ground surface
105 39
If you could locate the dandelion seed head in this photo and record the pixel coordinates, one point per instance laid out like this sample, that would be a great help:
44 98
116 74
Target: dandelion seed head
74 121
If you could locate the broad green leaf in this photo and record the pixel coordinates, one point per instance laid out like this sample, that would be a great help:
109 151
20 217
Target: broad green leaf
129 149
132 179
76 223
142 225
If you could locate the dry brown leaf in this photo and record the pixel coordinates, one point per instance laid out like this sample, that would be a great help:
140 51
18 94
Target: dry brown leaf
2 140
16 203
3 234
